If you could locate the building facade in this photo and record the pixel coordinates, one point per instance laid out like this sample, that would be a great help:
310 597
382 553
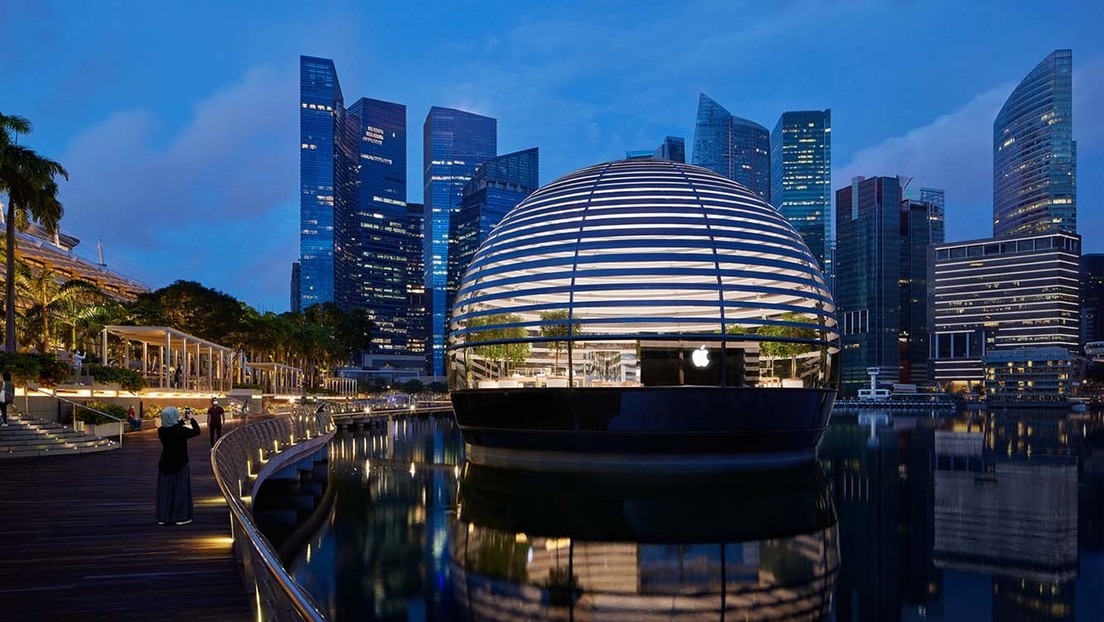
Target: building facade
295 299
673 149
1092 298
326 185
1028 374
733 147
497 186
881 281
455 142
1001 294
416 322
801 176
378 281
1034 154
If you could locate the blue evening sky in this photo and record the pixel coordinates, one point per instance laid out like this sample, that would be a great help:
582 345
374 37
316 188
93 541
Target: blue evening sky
178 121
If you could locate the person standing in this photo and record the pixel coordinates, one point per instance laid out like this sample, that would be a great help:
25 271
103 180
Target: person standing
174 478
7 396
214 421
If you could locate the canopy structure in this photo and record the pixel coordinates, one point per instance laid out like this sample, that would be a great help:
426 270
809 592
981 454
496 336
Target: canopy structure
345 387
172 359
277 378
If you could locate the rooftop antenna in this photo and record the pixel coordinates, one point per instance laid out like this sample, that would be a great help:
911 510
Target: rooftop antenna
99 250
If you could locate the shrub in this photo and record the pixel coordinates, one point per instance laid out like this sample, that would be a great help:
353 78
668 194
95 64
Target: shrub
95 418
32 367
128 379
153 411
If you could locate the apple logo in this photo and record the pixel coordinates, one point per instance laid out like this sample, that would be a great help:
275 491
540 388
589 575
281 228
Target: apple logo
700 358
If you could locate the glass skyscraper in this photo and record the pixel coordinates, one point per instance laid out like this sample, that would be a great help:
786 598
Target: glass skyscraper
379 285
325 185
454 144
801 176
881 262
733 147
497 186
673 149
1034 154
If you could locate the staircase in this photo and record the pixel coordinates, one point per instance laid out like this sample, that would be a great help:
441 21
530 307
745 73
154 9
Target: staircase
25 437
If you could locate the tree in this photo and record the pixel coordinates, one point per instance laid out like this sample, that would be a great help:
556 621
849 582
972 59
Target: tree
29 181
781 349
52 302
509 348
193 308
554 325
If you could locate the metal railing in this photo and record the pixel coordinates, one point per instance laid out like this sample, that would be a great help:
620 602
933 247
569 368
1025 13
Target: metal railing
241 460
76 405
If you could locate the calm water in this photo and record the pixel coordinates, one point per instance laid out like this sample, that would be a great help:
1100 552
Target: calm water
970 518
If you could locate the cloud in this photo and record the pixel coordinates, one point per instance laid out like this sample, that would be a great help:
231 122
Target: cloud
955 152
179 205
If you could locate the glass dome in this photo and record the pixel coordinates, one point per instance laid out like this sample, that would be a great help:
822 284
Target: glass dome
643 273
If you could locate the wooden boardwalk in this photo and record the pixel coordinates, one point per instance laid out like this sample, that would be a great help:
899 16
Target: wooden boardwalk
79 540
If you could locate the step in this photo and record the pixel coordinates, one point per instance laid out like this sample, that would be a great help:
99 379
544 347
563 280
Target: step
61 451
84 442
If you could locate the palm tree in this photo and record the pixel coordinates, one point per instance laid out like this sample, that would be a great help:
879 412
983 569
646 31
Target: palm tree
29 181
51 301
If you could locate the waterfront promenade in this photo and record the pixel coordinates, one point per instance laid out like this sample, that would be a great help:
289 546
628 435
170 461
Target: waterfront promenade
79 540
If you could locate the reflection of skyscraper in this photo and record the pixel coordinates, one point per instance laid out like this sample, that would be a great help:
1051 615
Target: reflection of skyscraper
455 143
497 186
801 175
1034 154
736 148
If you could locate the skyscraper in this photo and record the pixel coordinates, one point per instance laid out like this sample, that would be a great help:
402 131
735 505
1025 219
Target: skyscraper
801 176
295 299
881 280
379 216
736 148
497 186
1034 154
415 321
673 149
454 143
1092 297
325 185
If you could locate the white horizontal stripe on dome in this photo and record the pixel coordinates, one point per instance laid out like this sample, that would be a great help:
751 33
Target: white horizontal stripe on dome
817 292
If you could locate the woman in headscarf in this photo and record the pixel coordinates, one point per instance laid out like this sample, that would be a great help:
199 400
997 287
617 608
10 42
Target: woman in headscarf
174 479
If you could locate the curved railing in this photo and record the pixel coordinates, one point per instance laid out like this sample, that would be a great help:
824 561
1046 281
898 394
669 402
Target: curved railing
241 460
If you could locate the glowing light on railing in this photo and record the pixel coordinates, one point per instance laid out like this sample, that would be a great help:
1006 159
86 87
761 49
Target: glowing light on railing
411 469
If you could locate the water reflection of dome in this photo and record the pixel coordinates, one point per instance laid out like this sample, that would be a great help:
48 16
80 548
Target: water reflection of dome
533 546
598 301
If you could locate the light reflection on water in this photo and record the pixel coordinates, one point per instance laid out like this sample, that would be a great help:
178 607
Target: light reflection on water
967 518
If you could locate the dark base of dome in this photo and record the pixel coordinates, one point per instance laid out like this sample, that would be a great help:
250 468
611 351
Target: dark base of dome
683 428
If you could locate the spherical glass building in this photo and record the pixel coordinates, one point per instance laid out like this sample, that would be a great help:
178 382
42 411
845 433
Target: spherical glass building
643 309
